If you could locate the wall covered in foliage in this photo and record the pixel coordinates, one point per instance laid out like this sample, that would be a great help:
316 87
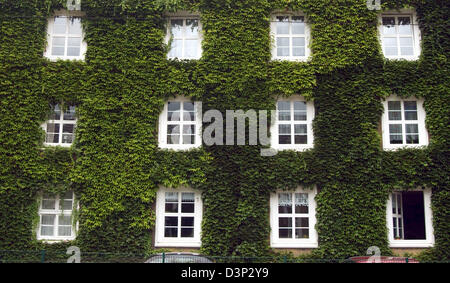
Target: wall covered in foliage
115 166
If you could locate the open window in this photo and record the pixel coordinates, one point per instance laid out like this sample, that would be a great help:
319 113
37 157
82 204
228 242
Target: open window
409 219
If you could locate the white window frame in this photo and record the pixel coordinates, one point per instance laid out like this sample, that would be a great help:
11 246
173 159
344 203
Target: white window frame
421 115
307 36
162 135
160 240
58 211
183 15
50 23
61 121
274 129
429 233
416 35
275 241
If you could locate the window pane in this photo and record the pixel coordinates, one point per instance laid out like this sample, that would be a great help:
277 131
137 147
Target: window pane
73 51
406 41
187 221
188 139
388 25
170 232
75 26
187 232
298 26
282 25
301 139
64 220
52 128
64 230
188 106
284 105
48 204
187 197
300 129
282 41
191 28
412 139
59 26
69 114
301 203
283 139
284 115
298 41
57 51
284 203
170 221
394 105
173 129
48 219
190 48
404 25
301 222
68 128
284 129
389 41
395 129
189 129
187 207
176 28
176 49
298 51
285 222
56 113
412 128
171 207
47 231
52 138
390 51
171 197
301 233
67 205
410 105
285 233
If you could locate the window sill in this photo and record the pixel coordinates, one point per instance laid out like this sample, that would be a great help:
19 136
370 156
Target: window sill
295 148
56 58
55 240
298 245
407 58
404 146
57 145
410 244
306 59
179 147
178 244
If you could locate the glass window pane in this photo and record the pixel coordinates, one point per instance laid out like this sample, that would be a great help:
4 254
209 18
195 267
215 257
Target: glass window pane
301 139
300 129
395 139
283 139
176 49
171 207
407 51
298 25
53 128
75 26
57 51
285 222
285 233
298 41
284 203
300 116
59 25
301 233
69 114
406 41
410 105
58 41
395 129
171 221
56 112
173 139
187 197
284 129
48 204
67 205
298 51
389 41
282 24
188 106
187 232
170 232
176 28
412 128
188 139
189 129
52 138
301 222
283 51
187 221
282 41
404 25
412 139
410 115
300 105
394 105
47 231
173 106
48 219
64 230
284 115
173 129
301 203
190 48
390 51
187 208
64 220
191 27
68 128
388 25
171 197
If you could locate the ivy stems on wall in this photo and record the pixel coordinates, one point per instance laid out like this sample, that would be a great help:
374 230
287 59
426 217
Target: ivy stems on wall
115 165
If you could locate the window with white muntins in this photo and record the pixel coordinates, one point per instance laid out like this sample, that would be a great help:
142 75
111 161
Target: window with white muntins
409 218
400 35
291 35
292 219
178 218
180 124
403 123
55 217
293 124
65 38
184 37
60 128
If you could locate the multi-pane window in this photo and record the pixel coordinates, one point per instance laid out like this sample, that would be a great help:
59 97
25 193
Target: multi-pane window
180 124
60 128
291 37
178 215
399 36
293 219
55 216
184 38
409 218
404 123
293 126
65 38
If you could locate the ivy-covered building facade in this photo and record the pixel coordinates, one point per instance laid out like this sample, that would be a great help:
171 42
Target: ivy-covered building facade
104 107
